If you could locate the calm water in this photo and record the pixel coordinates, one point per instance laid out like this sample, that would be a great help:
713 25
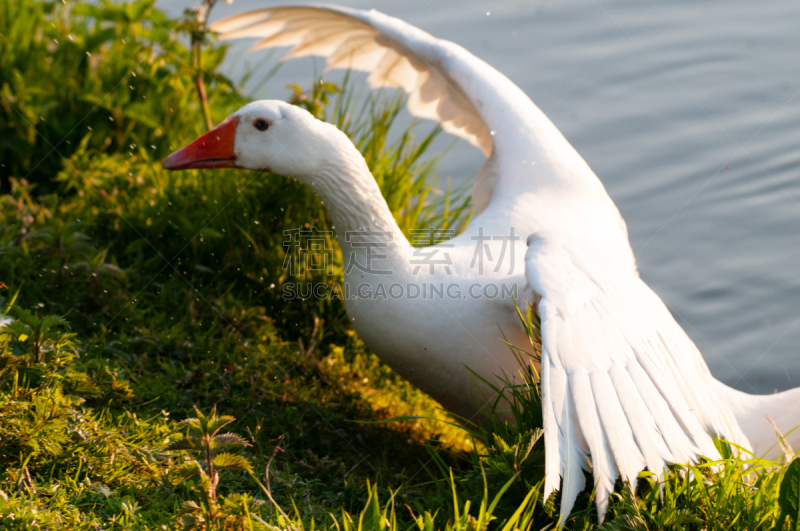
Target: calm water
660 98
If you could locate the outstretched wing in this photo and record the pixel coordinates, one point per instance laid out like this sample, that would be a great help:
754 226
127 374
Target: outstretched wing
622 384
445 82
396 54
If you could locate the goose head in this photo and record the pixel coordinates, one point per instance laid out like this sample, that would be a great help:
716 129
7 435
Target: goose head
268 135
280 138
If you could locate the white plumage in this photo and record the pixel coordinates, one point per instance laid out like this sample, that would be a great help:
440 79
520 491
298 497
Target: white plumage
369 42
623 386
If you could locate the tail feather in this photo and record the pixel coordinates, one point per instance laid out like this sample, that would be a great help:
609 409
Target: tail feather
751 412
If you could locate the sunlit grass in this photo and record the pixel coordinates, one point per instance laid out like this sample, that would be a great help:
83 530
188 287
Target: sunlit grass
169 288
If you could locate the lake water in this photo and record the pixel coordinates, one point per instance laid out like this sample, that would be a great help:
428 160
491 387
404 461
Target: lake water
688 112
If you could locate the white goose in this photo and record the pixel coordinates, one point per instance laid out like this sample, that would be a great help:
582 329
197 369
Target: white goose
623 386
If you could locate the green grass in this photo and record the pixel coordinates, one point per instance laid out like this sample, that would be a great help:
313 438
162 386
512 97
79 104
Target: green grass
168 288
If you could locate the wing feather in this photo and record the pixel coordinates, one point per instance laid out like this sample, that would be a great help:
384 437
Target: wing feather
573 462
604 468
396 54
614 353
326 43
678 441
655 451
627 454
553 437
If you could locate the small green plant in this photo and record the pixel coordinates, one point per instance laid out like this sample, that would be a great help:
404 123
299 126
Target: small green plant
40 338
36 351
203 437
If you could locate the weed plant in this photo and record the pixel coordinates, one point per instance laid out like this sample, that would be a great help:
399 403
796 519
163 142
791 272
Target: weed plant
141 309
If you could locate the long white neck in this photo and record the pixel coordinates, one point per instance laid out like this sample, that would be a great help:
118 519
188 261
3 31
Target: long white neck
356 205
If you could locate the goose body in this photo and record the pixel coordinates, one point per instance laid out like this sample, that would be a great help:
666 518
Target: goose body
624 388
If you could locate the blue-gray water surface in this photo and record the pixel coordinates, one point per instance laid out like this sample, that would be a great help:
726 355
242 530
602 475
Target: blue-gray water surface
688 112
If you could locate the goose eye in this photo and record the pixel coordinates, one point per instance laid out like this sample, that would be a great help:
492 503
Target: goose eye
261 125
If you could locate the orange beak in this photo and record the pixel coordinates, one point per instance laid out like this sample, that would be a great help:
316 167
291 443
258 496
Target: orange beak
212 150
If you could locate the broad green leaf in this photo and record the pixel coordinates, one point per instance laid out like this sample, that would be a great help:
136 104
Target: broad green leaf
192 422
789 496
216 423
50 321
186 471
187 443
190 507
227 439
371 518
232 462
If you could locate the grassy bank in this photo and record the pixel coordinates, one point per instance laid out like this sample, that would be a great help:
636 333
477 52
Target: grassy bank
135 299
